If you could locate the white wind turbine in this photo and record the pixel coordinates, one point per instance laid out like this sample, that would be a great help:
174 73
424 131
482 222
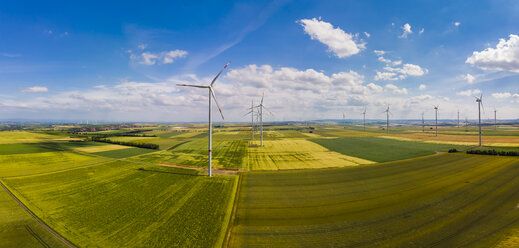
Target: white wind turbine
436 122
423 124
260 114
479 100
344 120
387 116
251 112
211 93
364 114
495 118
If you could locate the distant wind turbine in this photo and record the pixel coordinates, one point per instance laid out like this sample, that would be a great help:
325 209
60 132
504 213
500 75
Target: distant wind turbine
387 118
495 119
261 107
458 118
436 123
251 112
423 124
479 100
364 113
211 93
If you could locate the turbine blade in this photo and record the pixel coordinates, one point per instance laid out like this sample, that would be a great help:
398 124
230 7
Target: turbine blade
268 111
247 114
218 105
193 85
218 75
263 95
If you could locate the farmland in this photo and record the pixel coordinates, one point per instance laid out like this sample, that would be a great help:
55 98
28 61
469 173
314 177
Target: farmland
442 200
322 186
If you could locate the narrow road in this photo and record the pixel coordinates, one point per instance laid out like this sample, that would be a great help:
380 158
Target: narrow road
50 230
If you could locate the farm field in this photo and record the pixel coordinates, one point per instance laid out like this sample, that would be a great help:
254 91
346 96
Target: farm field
19 229
383 150
447 200
297 154
121 204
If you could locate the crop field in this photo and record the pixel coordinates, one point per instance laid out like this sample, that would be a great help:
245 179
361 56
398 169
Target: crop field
124 153
19 229
121 204
447 200
13 137
296 154
383 150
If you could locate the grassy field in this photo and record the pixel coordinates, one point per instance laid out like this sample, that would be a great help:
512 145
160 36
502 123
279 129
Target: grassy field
121 204
296 154
383 150
447 200
124 153
19 229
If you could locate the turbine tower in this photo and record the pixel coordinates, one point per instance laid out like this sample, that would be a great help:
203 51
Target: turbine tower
251 112
436 123
211 93
260 114
364 113
458 118
387 118
495 119
423 124
344 119
479 100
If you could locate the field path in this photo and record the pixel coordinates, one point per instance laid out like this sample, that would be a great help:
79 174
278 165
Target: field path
50 230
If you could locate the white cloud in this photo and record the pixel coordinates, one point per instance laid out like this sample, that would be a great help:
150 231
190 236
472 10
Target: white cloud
379 52
407 30
342 44
469 92
403 72
35 89
382 59
393 88
503 95
166 57
367 34
470 79
421 31
515 96
385 76
457 24
375 88
398 62
422 87
142 46
505 57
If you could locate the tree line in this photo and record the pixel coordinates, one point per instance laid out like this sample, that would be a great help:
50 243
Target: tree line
126 143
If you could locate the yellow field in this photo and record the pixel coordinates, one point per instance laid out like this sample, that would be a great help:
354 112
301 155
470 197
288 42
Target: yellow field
13 137
92 149
459 140
296 154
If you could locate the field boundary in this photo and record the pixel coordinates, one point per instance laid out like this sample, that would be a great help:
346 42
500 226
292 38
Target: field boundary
233 213
42 224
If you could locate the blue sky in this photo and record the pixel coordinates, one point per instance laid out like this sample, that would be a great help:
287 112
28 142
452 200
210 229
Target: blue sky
121 61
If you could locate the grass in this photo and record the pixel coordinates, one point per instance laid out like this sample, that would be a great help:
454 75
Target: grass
19 229
447 200
121 204
124 153
383 150
296 154
13 137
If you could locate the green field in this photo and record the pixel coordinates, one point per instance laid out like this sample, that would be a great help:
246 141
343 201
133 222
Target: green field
448 200
124 153
383 150
121 204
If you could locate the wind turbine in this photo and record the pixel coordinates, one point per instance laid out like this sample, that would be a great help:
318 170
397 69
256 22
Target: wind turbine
364 113
495 119
436 109
387 118
251 112
344 119
479 100
211 93
458 118
423 124
261 107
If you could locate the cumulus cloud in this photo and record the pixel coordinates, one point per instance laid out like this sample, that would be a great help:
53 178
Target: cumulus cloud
406 30
457 24
421 31
470 79
379 52
382 59
395 90
422 87
396 73
367 34
166 57
469 92
35 89
503 95
342 44
504 57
